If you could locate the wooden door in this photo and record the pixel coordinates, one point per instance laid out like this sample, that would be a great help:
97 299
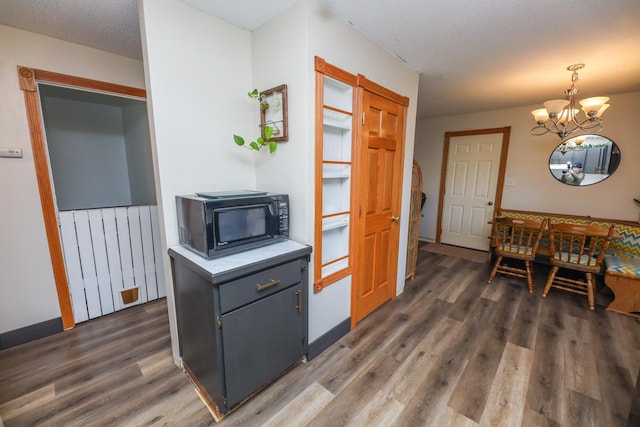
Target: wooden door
379 195
473 173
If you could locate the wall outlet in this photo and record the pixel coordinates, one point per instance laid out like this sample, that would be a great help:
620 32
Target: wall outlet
10 152
509 182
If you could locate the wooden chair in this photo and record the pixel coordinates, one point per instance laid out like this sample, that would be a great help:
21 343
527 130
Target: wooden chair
518 239
580 248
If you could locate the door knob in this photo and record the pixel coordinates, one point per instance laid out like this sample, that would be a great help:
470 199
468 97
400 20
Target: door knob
395 219
490 203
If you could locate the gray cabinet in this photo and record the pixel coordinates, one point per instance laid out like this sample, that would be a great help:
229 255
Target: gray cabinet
242 319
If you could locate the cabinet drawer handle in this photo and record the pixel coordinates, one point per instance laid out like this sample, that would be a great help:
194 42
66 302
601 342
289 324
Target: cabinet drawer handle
267 285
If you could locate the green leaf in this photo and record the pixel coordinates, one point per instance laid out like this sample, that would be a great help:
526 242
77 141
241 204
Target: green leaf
254 146
261 141
272 146
254 93
268 131
238 139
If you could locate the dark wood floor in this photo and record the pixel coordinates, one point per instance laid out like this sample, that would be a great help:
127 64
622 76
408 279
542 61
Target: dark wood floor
450 351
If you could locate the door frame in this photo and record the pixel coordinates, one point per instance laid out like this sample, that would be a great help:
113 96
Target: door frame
28 79
504 150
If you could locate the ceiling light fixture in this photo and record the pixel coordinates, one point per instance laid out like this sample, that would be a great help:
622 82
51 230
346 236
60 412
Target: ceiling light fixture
560 116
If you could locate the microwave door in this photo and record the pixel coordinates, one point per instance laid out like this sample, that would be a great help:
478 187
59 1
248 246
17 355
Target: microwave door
239 225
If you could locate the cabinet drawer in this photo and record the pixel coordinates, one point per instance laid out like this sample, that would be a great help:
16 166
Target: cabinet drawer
250 288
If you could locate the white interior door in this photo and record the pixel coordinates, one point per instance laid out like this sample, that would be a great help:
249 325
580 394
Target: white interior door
473 165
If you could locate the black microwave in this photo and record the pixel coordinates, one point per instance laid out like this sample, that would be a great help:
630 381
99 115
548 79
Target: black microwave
223 223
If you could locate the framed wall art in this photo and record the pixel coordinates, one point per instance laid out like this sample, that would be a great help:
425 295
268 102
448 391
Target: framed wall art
273 112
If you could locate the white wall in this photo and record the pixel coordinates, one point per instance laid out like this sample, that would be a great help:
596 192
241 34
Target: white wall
536 189
198 71
300 33
27 288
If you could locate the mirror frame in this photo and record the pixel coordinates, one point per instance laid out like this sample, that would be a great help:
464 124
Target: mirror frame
605 156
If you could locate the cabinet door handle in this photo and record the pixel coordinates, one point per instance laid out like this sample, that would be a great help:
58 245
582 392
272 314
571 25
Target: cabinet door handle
299 306
267 285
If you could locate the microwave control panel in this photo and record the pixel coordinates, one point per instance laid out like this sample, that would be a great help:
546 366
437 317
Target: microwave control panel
283 211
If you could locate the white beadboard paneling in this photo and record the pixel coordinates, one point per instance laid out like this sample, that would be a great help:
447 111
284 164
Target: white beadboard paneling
113 255
109 250
157 251
72 263
124 243
147 253
133 213
100 257
83 234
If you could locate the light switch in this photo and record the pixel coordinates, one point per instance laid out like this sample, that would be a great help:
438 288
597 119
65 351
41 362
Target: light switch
509 182
10 152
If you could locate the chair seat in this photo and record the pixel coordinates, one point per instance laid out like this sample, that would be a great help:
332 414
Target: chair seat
584 259
515 249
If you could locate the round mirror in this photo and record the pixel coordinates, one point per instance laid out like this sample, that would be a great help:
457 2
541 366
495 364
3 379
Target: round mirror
584 160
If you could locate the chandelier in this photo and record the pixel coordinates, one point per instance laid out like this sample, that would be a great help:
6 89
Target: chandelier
561 116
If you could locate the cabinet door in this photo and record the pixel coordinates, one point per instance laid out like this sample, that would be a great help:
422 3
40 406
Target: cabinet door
260 341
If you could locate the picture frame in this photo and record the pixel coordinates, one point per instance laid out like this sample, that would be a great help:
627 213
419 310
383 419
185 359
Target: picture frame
273 112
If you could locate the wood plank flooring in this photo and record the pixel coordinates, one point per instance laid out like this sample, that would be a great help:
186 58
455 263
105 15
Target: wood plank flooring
450 351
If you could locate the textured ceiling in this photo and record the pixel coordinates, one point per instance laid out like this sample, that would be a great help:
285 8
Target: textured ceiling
480 55
471 55
110 25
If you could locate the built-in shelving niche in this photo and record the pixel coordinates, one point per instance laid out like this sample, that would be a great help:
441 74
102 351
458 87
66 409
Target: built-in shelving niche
334 171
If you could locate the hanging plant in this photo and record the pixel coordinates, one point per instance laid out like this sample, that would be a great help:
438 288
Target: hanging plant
260 142
264 105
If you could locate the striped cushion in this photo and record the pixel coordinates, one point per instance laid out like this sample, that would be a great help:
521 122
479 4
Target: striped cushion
623 264
583 260
629 243
515 248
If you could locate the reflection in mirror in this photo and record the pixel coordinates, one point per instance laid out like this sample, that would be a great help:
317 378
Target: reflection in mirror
584 160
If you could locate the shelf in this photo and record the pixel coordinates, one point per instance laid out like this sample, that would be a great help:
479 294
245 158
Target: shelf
338 94
336 144
336 171
336 119
332 225
337 125
335 267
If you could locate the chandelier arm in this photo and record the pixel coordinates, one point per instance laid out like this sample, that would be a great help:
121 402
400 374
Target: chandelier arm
539 130
589 123
557 128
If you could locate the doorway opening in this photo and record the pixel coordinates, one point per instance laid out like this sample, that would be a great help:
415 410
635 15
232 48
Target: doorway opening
92 154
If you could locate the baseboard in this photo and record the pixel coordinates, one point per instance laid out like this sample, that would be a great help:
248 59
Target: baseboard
330 337
30 333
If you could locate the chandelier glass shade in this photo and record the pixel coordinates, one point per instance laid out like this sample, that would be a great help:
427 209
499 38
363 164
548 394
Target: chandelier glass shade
562 116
